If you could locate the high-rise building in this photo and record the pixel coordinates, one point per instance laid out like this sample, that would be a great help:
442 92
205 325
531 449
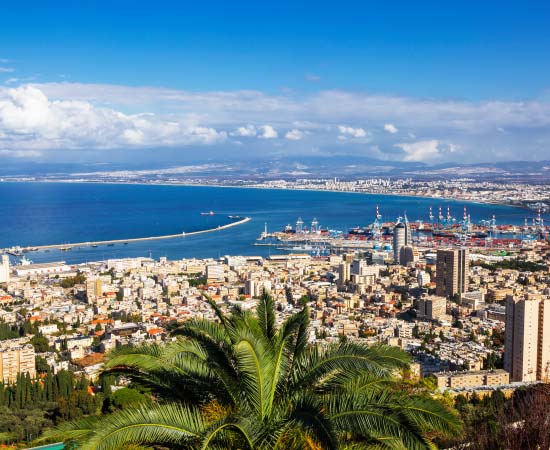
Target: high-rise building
5 269
94 289
452 271
399 240
348 257
16 358
408 235
527 338
408 255
344 273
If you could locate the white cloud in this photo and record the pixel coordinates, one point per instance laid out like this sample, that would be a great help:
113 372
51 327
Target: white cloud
246 131
294 135
346 131
390 128
29 120
268 132
424 151
6 69
73 115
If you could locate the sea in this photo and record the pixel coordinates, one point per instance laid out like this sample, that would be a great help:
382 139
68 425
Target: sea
42 213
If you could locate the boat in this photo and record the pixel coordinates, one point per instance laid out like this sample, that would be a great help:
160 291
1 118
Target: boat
209 213
94 246
25 262
65 249
110 245
289 230
15 251
234 217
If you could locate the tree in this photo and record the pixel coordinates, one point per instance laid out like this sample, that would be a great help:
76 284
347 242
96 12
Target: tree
126 398
40 343
242 383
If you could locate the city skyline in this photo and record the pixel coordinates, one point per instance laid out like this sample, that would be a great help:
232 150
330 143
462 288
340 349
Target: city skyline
416 83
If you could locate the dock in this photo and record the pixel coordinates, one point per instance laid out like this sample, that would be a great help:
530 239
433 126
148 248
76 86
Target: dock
68 246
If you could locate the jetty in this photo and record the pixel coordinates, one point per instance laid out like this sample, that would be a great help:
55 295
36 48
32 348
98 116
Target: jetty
68 246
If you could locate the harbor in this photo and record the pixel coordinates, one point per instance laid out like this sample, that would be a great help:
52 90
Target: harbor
440 230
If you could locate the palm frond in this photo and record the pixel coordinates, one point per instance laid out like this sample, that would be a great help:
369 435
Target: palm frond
265 313
167 424
320 364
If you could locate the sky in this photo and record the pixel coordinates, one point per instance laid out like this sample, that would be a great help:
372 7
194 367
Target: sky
424 81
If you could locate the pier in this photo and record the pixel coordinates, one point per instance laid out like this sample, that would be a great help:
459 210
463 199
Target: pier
68 246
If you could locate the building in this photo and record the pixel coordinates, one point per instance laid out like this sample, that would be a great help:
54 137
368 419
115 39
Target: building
432 307
344 273
215 272
408 255
358 266
5 269
452 271
94 289
423 278
473 300
16 358
399 241
527 338
42 269
461 380
255 288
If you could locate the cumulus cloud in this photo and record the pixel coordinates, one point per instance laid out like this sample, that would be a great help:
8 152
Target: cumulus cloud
267 132
73 115
294 135
246 131
390 128
424 151
6 69
28 119
346 131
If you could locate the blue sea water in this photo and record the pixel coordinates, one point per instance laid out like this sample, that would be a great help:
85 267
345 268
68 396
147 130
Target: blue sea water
59 213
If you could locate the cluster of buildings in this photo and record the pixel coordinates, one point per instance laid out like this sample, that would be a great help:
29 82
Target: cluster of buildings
471 326
532 195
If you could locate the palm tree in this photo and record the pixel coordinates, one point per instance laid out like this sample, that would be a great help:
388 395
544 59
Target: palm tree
241 382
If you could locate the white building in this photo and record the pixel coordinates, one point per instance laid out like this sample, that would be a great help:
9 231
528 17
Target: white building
5 269
215 272
42 269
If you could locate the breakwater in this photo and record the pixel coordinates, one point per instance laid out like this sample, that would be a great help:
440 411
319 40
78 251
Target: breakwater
67 246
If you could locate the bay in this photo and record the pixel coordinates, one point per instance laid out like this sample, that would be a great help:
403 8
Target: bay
40 213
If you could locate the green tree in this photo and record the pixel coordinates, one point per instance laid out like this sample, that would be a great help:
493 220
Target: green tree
242 383
40 343
126 397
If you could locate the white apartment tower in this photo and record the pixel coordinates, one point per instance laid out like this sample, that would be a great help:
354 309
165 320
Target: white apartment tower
527 338
5 269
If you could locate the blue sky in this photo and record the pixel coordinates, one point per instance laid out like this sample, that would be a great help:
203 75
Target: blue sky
420 81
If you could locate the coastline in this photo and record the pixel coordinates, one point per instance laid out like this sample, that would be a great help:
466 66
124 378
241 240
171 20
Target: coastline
184 184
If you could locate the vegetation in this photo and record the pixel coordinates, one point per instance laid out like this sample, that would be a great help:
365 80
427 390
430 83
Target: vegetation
70 282
241 383
29 406
497 423
197 281
515 264
8 331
